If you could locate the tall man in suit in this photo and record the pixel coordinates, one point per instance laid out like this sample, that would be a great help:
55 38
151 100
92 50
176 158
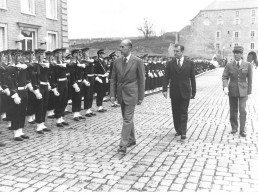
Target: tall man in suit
180 73
237 84
127 84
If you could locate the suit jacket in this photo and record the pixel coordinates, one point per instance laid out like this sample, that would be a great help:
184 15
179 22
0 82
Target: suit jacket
182 81
128 87
238 81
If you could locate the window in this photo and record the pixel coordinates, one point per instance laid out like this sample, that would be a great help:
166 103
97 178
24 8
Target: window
28 6
237 13
252 45
236 44
253 12
52 40
236 34
51 7
218 34
29 42
2 4
252 20
217 46
206 15
237 21
3 37
220 14
252 34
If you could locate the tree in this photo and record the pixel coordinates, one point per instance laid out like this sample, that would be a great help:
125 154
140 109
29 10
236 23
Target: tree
146 29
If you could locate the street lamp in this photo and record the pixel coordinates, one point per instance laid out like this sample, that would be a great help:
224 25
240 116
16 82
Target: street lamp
45 41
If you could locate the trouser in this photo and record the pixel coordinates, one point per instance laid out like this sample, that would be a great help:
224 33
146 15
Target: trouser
237 104
9 112
31 103
61 101
42 104
128 131
180 114
88 94
76 98
1 103
19 111
52 100
100 93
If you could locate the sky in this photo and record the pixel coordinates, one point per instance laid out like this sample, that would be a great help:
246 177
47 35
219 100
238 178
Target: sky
120 18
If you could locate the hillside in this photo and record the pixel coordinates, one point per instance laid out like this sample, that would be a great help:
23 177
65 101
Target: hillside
153 45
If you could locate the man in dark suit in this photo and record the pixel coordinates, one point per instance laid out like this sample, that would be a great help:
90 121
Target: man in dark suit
237 84
127 84
180 73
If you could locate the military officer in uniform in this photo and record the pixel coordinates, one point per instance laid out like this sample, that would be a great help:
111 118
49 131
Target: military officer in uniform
237 84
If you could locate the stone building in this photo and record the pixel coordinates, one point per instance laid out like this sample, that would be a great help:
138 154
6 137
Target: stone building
32 24
216 29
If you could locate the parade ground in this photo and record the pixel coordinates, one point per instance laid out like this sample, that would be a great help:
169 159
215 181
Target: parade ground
84 157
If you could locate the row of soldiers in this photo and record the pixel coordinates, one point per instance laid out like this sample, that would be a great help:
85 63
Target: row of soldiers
41 84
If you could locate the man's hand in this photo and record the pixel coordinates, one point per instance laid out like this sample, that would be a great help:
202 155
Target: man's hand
165 94
112 99
193 96
139 102
7 91
56 93
226 91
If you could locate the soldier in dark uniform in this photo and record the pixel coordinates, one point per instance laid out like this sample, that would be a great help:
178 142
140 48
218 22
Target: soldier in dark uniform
101 76
112 56
88 91
62 88
77 76
17 79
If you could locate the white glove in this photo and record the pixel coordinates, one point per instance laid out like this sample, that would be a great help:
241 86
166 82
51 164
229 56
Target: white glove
62 65
1 89
46 65
75 86
226 91
87 83
16 98
106 74
37 94
98 79
149 74
56 93
155 75
7 92
22 66
81 65
49 87
29 85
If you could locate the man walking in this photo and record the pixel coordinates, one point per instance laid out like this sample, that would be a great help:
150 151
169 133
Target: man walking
127 84
237 84
180 73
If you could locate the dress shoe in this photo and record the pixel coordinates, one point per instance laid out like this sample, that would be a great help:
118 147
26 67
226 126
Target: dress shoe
9 128
40 132
65 123
76 119
92 114
81 117
177 134
18 139
4 119
122 149
47 129
113 105
25 137
52 116
102 110
59 125
183 136
233 131
32 122
2 144
131 144
242 133
88 115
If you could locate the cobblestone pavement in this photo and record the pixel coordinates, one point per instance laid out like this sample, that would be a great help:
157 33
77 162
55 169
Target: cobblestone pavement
83 156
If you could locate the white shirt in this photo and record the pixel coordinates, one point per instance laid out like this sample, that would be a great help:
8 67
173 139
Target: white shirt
181 60
128 57
240 61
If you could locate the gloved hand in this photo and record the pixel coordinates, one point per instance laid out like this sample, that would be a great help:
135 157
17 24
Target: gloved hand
46 65
98 79
7 92
1 89
22 66
49 87
16 98
87 83
106 74
225 90
56 93
37 94
75 86
29 85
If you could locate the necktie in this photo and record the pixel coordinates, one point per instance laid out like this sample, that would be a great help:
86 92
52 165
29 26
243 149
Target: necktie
178 63
124 65
238 64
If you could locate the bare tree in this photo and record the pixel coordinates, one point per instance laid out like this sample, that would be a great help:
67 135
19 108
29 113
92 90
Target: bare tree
146 29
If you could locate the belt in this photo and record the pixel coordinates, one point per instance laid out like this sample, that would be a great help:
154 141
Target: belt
67 74
44 83
90 75
22 88
100 75
62 79
79 80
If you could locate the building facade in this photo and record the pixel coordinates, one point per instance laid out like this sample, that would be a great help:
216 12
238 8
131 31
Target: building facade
32 24
219 27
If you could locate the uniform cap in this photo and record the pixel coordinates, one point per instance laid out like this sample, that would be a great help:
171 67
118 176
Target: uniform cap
238 49
101 51
85 49
39 51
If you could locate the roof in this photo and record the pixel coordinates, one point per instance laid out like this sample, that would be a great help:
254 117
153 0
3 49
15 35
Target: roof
233 4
